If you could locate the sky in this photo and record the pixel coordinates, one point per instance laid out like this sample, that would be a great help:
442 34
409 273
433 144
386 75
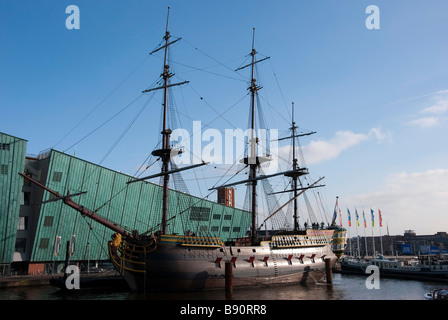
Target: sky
376 97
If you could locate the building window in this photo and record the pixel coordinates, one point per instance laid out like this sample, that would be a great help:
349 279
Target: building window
215 229
48 221
228 217
57 176
4 146
26 198
199 213
216 217
23 223
236 229
20 245
4 169
225 229
43 244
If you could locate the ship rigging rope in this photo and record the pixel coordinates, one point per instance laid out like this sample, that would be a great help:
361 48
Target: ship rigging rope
112 147
104 123
101 102
203 69
216 60
97 237
279 88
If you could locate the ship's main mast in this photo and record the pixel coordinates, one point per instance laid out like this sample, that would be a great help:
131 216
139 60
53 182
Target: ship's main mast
253 164
165 152
294 168
165 131
253 160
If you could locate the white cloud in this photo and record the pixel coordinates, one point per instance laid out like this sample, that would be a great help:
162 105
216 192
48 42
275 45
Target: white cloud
425 122
440 107
435 113
417 201
322 150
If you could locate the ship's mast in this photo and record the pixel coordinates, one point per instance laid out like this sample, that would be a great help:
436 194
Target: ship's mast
165 152
254 161
294 175
253 164
165 132
294 168
296 171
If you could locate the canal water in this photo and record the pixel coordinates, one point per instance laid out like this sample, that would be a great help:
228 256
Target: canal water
344 287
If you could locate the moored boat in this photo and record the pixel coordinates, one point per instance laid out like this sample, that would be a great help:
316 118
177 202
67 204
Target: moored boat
402 269
437 294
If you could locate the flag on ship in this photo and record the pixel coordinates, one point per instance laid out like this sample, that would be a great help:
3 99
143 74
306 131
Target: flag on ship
335 214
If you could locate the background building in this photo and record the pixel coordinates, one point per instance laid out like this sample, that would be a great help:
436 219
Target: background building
12 160
35 228
407 244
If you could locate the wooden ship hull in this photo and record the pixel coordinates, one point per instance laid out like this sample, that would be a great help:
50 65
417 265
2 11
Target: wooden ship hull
173 262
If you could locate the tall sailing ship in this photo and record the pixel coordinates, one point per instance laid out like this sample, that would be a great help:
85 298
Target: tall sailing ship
163 261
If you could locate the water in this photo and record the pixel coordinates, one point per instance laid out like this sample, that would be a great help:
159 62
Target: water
344 287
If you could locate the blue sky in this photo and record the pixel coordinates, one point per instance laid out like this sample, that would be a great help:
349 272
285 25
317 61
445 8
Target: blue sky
378 99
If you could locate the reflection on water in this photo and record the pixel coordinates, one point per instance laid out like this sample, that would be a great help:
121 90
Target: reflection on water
344 287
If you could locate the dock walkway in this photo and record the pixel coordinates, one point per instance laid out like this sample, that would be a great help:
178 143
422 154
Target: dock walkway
96 278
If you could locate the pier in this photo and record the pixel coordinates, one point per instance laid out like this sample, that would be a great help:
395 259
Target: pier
108 279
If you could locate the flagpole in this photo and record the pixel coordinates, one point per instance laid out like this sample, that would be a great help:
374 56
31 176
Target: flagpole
380 226
365 226
381 241
357 233
348 229
373 239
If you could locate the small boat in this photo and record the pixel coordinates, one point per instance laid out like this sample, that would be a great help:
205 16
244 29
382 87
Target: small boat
438 294
404 269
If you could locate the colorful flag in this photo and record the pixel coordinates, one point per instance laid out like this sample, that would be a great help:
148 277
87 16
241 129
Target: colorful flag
373 219
349 218
335 213
364 216
381 219
357 217
340 217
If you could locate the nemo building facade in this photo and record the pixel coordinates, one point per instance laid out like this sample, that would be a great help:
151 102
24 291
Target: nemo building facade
38 231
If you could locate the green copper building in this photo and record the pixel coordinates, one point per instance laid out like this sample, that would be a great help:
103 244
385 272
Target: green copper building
12 160
36 229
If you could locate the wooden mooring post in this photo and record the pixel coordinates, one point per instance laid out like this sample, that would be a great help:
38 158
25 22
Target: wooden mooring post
228 276
329 271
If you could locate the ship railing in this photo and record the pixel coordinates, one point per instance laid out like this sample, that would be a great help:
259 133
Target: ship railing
126 256
290 241
200 241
